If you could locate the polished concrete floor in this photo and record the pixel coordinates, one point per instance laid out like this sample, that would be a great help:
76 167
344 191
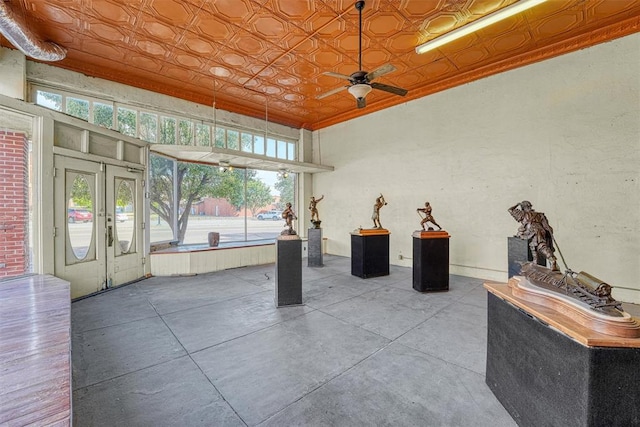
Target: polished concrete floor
213 350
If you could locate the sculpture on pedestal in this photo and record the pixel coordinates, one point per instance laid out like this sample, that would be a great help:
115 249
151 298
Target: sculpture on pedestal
427 217
583 288
289 215
380 202
535 228
315 218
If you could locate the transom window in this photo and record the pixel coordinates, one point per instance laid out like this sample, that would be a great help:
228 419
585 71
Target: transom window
161 128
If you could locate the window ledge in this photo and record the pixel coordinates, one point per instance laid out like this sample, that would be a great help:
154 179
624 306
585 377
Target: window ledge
205 247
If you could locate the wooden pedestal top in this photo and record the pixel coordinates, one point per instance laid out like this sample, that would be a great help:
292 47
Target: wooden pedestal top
558 317
440 234
370 232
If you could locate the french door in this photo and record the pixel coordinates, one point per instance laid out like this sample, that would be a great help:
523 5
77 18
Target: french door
98 225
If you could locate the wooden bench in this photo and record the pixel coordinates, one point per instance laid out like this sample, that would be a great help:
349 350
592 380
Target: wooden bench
35 351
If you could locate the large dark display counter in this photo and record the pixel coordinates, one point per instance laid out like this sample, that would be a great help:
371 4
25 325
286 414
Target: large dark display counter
288 289
548 370
431 261
370 253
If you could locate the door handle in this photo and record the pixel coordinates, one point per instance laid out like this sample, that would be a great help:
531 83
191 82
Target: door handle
110 235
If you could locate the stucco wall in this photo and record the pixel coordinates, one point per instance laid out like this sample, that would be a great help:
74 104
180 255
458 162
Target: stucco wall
563 134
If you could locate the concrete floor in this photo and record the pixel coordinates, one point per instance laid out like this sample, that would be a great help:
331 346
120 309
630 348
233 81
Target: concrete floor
213 350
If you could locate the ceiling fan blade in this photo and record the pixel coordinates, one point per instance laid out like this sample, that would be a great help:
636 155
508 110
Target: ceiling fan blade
331 92
390 89
338 75
361 102
385 69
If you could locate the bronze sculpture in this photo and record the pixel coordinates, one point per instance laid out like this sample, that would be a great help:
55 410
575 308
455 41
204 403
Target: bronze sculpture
427 216
289 215
535 228
380 202
315 218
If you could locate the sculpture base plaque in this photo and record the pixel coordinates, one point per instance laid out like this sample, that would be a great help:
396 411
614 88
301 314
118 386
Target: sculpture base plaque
431 261
314 255
547 369
288 271
370 253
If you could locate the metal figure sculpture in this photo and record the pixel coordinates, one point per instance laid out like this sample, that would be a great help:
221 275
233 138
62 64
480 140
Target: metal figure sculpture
380 202
315 218
427 216
535 228
289 215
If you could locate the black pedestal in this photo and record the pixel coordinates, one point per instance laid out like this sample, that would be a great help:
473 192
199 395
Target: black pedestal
519 252
314 255
544 378
370 255
431 261
288 271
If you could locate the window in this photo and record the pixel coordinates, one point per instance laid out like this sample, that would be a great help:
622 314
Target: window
271 147
167 130
103 114
161 199
203 135
148 127
240 204
49 100
185 133
127 119
78 108
246 142
162 128
258 145
233 137
220 138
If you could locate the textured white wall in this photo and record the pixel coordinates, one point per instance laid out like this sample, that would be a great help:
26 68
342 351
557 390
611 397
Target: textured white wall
563 134
12 70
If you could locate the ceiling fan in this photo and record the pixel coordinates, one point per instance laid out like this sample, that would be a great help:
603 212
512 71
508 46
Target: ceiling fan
360 81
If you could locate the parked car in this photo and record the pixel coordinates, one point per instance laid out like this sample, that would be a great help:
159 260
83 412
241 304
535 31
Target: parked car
274 215
79 215
121 217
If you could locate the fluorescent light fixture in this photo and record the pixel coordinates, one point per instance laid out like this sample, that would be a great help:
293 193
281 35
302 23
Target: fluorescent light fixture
478 24
359 90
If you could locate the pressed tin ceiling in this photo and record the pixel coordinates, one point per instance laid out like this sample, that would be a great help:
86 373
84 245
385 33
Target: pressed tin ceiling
275 51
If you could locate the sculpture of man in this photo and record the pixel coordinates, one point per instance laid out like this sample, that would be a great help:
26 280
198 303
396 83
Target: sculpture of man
428 217
289 215
535 228
380 202
313 209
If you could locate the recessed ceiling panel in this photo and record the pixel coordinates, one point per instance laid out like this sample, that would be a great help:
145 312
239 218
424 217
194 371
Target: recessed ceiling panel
276 51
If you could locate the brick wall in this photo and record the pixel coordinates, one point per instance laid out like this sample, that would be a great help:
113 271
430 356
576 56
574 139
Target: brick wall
14 214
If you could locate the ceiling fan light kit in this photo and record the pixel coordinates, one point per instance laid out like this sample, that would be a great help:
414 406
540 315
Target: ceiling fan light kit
360 81
359 90
478 24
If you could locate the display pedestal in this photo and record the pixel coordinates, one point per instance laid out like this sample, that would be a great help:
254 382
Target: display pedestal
519 252
288 271
370 253
547 369
314 255
431 261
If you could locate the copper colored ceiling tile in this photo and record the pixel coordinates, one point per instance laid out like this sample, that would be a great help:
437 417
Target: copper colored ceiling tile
110 12
174 11
278 49
105 32
236 11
